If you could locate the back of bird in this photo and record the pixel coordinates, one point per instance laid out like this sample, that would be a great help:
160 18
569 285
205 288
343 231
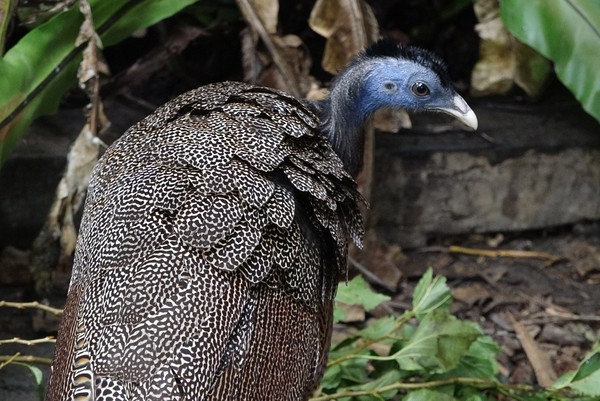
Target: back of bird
210 248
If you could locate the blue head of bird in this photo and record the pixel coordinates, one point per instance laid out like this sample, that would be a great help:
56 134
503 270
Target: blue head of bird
410 85
386 75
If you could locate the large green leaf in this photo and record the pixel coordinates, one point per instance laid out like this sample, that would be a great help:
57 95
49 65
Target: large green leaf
431 293
568 33
439 343
356 292
37 71
479 361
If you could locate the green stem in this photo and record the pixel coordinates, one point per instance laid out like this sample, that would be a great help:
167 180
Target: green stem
406 316
475 382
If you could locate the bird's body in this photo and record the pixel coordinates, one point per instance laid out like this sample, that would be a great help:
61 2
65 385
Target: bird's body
213 238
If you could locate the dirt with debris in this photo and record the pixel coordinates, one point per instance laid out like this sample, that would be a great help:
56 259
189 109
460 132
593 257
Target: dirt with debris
544 281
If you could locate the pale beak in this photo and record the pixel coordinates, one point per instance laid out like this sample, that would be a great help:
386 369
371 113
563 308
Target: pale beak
462 112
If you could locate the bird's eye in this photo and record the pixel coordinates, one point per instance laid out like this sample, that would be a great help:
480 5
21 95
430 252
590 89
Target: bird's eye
420 89
389 86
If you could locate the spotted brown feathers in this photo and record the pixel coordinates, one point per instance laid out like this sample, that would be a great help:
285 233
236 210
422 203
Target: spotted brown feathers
212 241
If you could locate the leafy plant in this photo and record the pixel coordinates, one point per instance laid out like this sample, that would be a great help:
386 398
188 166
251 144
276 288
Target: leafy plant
568 33
428 354
38 70
586 379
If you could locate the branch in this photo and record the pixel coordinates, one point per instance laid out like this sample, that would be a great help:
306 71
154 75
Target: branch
506 253
9 360
17 340
495 253
34 305
6 359
249 14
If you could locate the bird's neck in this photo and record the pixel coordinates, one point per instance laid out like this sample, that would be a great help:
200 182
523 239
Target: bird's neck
343 117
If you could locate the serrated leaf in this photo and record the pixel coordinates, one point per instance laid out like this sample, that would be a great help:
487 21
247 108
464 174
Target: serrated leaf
563 31
389 377
378 328
431 293
479 361
439 343
332 377
586 379
354 371
358 292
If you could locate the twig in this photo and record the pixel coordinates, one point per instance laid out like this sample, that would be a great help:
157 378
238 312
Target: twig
24 358
34 305
282 66
17 340
10 360
554 313
369 275
503 253
144 68
497 253
540 361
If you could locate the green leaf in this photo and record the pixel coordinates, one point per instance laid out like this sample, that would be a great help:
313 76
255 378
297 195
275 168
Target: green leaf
431 293
339 314
427 395
6 12
568 33
386 379
466 393
586 379
357 292
38 70
479 361
354 371
378 328
439 343
37 376
332 377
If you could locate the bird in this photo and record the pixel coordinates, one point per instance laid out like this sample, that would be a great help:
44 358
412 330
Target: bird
215 232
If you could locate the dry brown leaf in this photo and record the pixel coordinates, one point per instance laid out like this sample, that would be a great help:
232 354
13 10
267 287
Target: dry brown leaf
391 120
267 11
532 68
82 157
353 313
495 70
284 65
348 25
260 69
503 60
38 12
539 359
471 293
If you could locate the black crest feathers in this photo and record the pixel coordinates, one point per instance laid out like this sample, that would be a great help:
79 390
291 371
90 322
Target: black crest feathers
385 47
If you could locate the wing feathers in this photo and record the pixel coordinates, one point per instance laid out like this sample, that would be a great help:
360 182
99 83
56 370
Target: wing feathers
223 210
